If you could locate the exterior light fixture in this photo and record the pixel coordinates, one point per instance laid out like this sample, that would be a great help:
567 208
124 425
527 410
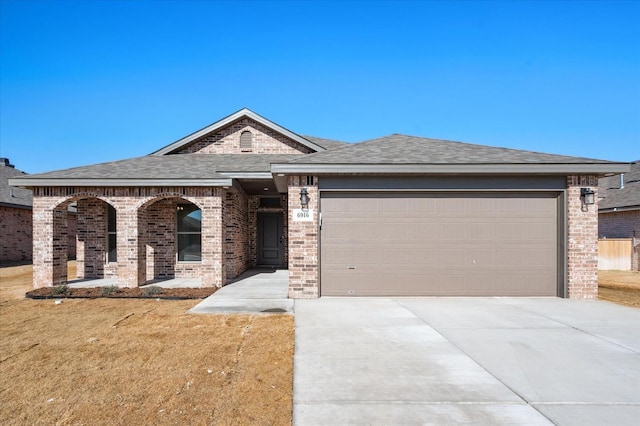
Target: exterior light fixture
588 196
304 198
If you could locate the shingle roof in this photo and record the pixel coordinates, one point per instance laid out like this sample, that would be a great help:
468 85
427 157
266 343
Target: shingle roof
326 143
403 149
176 167
12 196
626 198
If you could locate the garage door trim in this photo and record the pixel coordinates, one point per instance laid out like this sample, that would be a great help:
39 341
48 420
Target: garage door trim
559 195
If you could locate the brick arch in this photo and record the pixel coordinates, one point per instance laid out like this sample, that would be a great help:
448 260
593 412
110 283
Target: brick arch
146 202
79 196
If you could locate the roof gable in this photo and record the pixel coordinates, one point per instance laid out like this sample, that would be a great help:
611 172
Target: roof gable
181 146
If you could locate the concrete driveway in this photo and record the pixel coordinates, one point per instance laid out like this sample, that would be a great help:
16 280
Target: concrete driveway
466 360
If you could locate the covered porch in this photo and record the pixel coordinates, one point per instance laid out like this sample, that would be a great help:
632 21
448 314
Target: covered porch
166 236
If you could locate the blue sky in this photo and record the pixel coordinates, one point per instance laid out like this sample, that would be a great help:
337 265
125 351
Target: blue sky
83 82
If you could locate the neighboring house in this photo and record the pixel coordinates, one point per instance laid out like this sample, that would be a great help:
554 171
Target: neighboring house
399 215
16 219
619 208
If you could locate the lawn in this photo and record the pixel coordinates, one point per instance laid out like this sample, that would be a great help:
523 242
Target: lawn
620 287
122 362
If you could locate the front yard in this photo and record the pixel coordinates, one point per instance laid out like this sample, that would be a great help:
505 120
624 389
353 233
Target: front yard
109 361
121 362
620 287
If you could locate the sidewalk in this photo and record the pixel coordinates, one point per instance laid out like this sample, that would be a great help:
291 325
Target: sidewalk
257 291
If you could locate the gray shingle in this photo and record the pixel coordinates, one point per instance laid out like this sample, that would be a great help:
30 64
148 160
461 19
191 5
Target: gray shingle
11 195
182 166
328 144
403 149
613 197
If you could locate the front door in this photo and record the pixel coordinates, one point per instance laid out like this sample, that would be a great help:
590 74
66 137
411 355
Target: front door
270 244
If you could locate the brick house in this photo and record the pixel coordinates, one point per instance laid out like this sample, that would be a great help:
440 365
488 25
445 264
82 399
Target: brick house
398 215
16 219
619 209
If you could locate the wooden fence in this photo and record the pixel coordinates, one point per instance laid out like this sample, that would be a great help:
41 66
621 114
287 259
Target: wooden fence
615 254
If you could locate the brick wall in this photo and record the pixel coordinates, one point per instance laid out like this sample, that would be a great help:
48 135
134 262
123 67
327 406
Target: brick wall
235 219
622 225
227 141
252 229
159 221
303 242
15 234
582 241
134 207
91 238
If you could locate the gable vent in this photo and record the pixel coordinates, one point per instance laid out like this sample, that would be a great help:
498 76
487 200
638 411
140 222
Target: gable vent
246 141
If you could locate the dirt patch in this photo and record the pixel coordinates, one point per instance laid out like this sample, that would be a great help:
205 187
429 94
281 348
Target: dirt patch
621 287
119 361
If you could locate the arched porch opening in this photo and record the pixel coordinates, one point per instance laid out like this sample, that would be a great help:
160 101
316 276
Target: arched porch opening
170 237
96 239
71 227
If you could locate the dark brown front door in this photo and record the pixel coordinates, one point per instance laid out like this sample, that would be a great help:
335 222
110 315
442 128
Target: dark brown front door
270 247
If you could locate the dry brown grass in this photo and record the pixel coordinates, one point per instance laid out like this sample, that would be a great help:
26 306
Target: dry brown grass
127 362
620 287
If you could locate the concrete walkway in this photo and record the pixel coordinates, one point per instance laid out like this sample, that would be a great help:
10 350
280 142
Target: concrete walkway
491 361
257 291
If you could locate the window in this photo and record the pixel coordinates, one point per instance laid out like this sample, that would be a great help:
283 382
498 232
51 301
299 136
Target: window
246 141
189 233
112 252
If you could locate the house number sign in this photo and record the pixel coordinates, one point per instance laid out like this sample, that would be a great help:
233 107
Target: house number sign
300 215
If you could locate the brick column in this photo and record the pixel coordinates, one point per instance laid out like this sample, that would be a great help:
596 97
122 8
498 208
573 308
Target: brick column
303 242
213 268
49 244
127 246
582 244
142 220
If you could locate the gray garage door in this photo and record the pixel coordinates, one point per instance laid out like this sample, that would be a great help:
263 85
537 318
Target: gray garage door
435 244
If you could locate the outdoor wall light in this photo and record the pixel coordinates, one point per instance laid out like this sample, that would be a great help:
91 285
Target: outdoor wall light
304 198
588 196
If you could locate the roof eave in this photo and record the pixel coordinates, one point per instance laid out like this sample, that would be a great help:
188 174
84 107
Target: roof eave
618 209
597 169
31 183
246 175
16 206
244 112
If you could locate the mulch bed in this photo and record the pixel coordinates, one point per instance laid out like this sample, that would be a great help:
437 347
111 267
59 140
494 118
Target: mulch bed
120 293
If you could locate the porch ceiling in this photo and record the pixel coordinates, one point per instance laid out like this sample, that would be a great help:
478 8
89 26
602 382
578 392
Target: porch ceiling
258 186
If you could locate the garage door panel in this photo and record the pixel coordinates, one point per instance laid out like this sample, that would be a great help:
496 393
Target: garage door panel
539 231
452 231
439 244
